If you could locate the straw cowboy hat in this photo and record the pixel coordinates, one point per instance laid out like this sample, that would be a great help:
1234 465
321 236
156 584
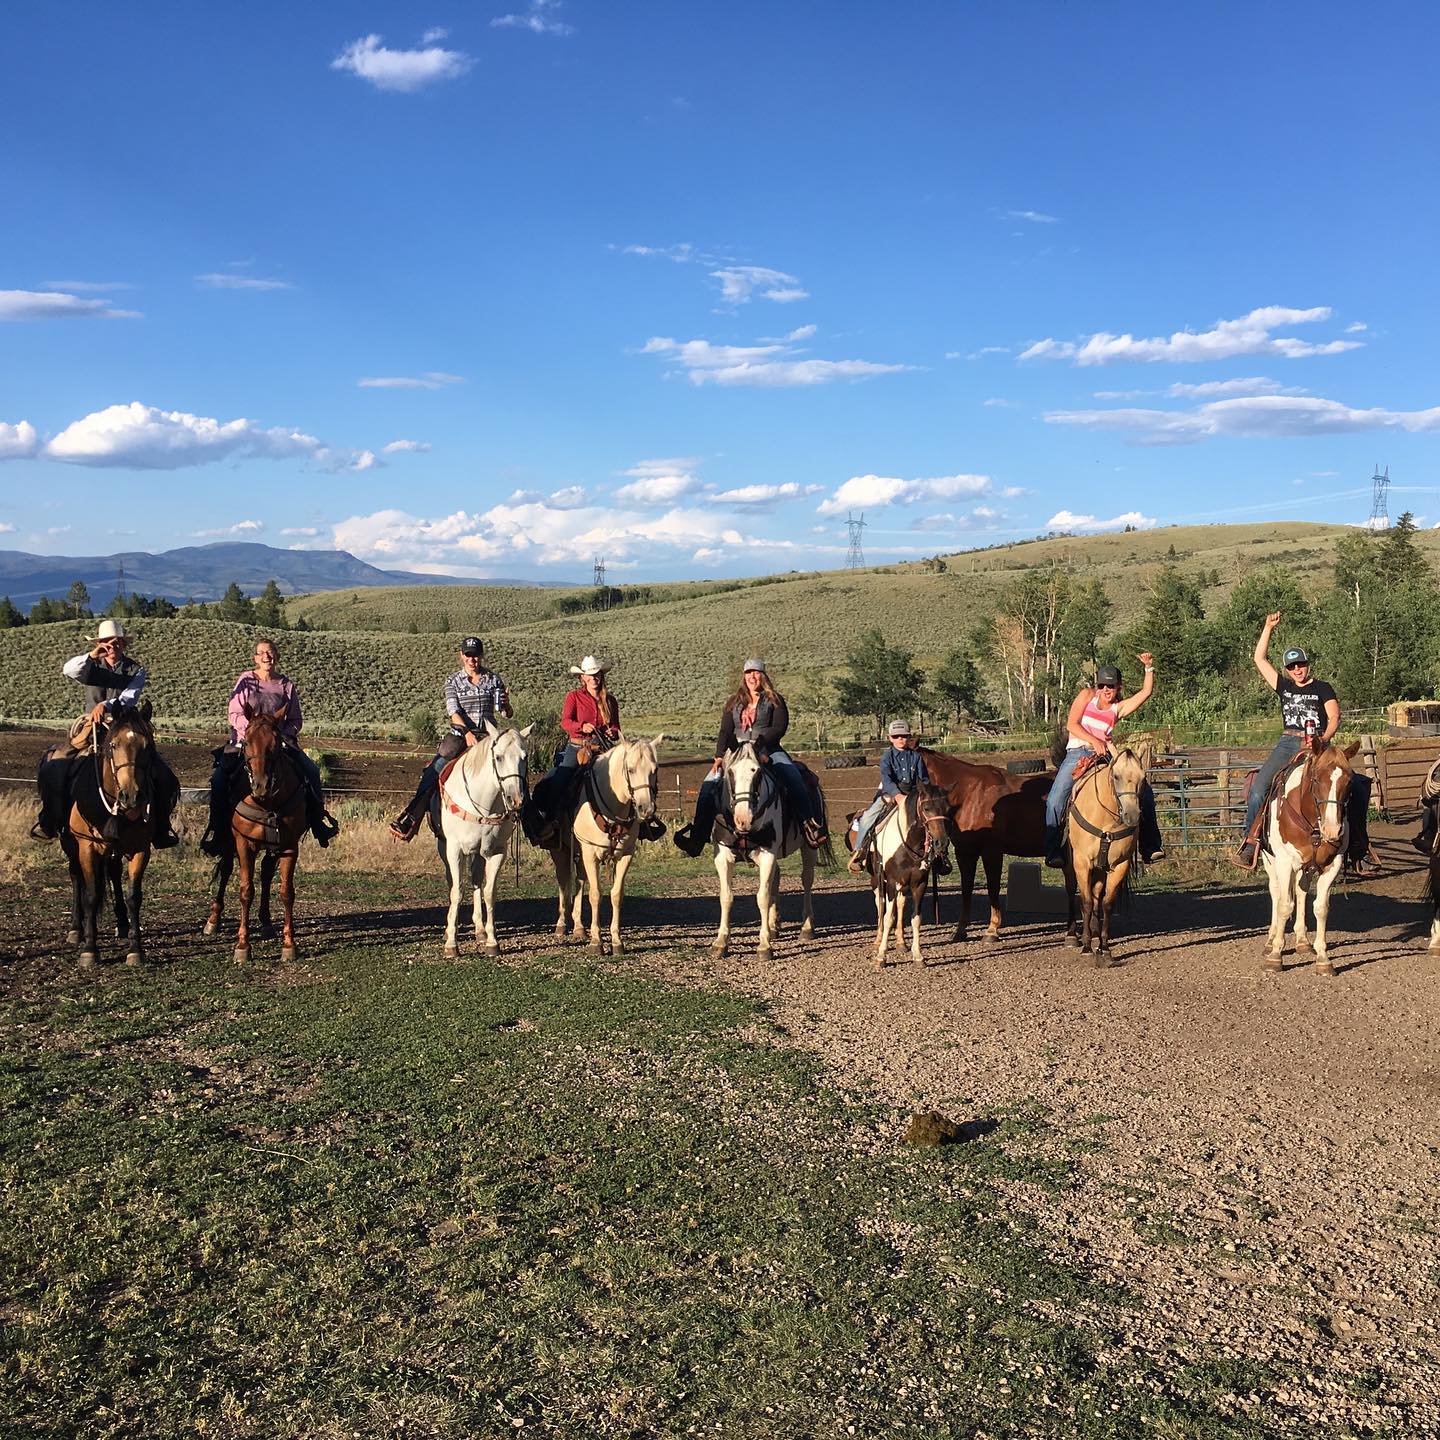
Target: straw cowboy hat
110 630
588 666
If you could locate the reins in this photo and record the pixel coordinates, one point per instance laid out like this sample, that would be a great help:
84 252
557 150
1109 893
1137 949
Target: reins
477 816
1106 837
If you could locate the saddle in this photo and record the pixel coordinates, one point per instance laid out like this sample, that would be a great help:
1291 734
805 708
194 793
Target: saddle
1272 793
762 835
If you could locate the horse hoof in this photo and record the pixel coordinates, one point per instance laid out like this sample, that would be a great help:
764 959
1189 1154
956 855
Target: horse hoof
561 932
242 954
766 954
1274 964
719 950
492 949
1304 947
959 937
1073 941
617 948
209 928
72 937
287 952
87 959
134 958
451 952
1324 967
920 961
1103 960
807 931
122 933
992 937
879 963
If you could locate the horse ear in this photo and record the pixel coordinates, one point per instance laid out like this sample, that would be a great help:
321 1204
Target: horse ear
281 711
146 711
659 740
1352 750
621 734
248 709
490 728
525 733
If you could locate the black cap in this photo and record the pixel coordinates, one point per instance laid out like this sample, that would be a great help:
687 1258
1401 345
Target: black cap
1296 656
1108 675
472 645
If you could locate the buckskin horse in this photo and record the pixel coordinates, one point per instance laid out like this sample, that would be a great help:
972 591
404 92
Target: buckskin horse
1306 835
109 830
909 838
761 828
476 807
268 819
1102 823
992 814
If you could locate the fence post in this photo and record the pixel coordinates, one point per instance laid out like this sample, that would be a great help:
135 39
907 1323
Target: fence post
1185 806
1224 778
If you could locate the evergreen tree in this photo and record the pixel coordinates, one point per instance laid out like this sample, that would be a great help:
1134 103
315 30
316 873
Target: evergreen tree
269 607
10 617
234 605
882 680
77 600
957 683
45 611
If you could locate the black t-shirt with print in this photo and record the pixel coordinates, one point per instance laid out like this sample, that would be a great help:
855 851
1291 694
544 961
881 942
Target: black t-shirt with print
1301 703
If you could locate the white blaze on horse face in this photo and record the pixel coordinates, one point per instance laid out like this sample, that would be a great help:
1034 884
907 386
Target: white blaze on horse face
1332 812
640 768
743 772
509 760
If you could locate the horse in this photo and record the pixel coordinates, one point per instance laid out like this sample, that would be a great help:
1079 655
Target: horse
910 837
1102 824
992 814
1306 836
109 829
267 820
617 794
479 799
1429 791
762 829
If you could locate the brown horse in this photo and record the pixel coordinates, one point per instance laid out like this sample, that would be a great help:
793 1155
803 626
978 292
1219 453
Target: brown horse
109 830
270 817
1103 822
992 814
909 838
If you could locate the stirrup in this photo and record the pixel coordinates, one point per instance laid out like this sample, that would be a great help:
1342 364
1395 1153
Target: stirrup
686 843
39 832
405 826
814 833
1250 861
859 864
652 829
325 829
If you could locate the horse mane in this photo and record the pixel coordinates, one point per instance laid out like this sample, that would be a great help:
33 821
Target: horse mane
136 716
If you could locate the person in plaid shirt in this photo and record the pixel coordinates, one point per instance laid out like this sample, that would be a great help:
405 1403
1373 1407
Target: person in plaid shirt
473 695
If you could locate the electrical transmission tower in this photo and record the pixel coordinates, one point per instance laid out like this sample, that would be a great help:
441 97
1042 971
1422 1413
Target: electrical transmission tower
855 556
120 581
1380 499
602 590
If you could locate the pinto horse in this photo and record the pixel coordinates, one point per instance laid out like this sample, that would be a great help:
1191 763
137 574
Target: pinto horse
1306 835
992 814
109 830
910 837
1103 822
269 818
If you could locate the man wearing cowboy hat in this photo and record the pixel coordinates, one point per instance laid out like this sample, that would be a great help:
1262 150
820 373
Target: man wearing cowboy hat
113 680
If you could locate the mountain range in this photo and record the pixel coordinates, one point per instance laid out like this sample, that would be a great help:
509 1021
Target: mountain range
203 572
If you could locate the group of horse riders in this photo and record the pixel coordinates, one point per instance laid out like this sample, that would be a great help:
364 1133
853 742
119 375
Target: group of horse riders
756 712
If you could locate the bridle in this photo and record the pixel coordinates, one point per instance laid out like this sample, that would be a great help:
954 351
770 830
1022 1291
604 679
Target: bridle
1310 783
104 753
614 823
758 781
934 845
520 775
1122 830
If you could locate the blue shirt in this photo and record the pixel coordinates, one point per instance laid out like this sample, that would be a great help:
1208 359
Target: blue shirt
902 770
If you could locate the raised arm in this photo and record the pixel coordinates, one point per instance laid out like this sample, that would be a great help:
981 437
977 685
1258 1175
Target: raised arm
1134 702
1262 650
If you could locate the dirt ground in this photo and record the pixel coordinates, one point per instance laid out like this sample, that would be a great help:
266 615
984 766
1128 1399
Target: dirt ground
1261 1152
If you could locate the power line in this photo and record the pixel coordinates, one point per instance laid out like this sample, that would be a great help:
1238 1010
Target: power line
855 556
1379 499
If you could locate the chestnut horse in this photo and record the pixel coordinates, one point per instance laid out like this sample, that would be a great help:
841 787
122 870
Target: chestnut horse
992 814
270 817
109 830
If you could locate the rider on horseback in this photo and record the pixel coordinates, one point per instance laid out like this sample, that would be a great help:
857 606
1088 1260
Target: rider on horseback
1093 717
473 695
901 771
263 688
1308 708
112 681
758 713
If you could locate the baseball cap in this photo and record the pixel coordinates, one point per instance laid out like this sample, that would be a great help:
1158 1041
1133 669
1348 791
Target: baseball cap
1296 657
472 645
899 727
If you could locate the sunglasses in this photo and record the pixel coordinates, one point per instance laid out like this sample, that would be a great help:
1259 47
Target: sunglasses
1298 665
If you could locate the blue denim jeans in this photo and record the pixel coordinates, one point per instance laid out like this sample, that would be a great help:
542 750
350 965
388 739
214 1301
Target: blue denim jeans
865 823
1287 747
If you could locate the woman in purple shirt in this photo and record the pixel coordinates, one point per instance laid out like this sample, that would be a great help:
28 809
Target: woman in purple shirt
263 688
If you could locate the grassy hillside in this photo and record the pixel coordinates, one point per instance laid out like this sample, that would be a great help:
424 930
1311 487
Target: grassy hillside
672 660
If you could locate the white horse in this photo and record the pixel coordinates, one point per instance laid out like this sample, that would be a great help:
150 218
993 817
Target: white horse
911 835
480 801
1307 834
617 793
764 831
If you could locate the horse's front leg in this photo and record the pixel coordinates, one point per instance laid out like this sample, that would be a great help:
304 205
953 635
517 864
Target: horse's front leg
244 894
268 862
994 874
1114 879
287 902
617 898
886 898
1282 884
493 864
917 902
454 864
117 872
769 868
1071 937
560 859
223 867
1322 916
77 889
136 877
90 890
479 873
725 869
967 858
807 887
590 854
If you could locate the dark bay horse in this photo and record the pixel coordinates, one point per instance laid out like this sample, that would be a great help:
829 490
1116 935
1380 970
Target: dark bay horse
109 829
992 814
269 818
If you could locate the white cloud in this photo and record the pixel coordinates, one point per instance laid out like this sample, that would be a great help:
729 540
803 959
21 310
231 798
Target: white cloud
681 254
676 465
1035 217
430 380
977 354
874 491
222 281
1250 417
52 305
406 447
400 70
18 442
997 403
536 19
6 528
1011 491
58 530
86 287
739 284
141 437
764 365
657 489
759 497
306 530
1209 389
802 332
240 527
1249 335
436 32
1066 520
1355 327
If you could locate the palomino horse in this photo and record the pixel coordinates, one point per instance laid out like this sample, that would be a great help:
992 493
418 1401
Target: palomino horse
992 814
109 830
617 793
480 798
1306 835
268 821
912 835
1102 825
761 829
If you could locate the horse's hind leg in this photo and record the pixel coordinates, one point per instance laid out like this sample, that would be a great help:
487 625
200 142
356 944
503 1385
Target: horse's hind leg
115 869
92 892
967 859
287 901
807 886
268 862
223 867
136 871
455 870
994 873
617 899
486 881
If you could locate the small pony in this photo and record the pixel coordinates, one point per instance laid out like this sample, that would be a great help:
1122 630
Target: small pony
910 838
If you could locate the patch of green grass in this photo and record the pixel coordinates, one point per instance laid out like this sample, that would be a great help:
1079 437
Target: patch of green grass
459 1200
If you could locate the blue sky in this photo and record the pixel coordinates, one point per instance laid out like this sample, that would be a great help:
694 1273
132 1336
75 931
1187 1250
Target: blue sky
494 289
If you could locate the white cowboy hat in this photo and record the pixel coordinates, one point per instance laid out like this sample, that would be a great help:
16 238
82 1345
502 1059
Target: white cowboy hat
588 666
110 630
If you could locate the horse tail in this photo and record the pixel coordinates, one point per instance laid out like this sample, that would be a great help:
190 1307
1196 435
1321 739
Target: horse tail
825 853
1429 895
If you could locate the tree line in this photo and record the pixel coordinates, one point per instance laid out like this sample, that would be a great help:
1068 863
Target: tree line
267 609
1373 633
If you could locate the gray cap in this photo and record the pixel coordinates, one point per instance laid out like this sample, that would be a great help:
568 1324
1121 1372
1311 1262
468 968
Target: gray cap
899 727
1296 656
753 664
